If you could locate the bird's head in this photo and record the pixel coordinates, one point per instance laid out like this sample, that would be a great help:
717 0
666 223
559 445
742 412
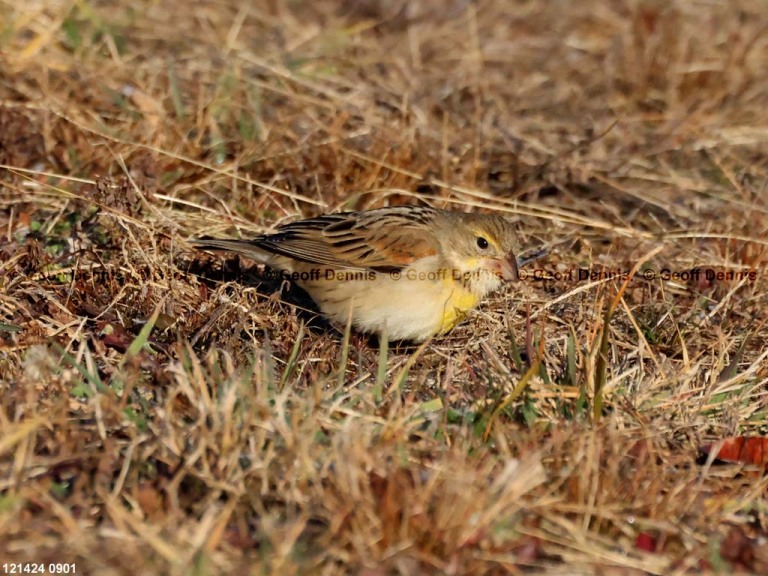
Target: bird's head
481 247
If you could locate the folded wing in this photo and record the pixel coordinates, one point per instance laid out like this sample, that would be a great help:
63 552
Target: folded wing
382 240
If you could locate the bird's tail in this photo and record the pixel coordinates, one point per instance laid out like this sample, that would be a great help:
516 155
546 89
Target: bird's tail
243 247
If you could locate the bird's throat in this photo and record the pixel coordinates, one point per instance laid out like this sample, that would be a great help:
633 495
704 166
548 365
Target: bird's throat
460 300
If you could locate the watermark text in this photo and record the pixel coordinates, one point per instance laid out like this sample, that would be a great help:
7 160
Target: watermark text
695 275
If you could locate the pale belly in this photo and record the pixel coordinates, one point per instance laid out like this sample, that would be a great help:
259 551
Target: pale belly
405 308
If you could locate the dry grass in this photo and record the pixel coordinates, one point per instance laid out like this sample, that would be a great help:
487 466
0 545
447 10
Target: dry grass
164 412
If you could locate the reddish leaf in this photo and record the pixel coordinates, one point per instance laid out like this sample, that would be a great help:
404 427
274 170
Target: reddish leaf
747 450
115 336
645 542
151 500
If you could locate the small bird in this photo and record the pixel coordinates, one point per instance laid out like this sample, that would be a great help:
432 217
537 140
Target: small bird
409 272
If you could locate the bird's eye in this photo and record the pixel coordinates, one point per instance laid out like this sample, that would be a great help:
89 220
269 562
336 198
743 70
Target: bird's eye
482 243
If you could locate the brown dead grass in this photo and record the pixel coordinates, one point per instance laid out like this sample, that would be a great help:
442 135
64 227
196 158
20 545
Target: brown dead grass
164 412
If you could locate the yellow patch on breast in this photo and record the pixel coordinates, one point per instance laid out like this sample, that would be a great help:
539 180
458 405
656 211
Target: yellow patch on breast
458 302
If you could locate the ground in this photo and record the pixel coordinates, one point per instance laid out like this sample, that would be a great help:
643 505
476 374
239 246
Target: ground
169 411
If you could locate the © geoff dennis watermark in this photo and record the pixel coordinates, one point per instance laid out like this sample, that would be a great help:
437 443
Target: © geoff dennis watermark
571 275
355 275
574 275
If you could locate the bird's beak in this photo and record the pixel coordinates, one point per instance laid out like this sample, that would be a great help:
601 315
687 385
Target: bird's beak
506 267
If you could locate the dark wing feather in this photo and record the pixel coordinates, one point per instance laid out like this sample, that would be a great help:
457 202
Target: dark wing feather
385 239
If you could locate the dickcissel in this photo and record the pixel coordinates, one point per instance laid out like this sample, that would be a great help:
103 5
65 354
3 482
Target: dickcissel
409 272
